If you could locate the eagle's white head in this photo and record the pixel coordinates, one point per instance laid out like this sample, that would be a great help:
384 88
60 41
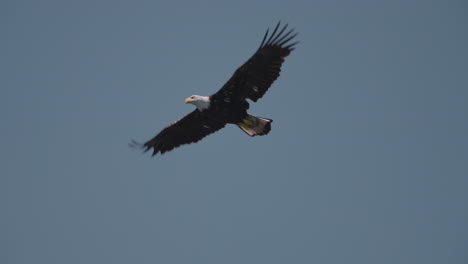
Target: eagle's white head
201 102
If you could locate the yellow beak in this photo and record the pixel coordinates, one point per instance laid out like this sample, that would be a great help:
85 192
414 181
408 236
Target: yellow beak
189 100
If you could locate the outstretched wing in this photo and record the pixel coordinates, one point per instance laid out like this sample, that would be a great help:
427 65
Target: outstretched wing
191 128
254 78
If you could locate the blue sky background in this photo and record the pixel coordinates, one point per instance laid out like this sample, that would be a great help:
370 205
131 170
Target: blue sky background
367 161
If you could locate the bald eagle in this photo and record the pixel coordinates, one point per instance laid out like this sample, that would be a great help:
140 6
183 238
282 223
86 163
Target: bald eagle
229 105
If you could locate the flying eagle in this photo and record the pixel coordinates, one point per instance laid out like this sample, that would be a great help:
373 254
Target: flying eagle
229 105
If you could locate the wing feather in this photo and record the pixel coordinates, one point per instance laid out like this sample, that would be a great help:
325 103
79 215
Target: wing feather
189 129
254 78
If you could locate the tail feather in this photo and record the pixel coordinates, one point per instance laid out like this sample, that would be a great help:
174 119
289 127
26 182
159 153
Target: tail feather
255 126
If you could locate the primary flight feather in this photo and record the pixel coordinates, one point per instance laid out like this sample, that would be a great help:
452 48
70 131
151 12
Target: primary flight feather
229 105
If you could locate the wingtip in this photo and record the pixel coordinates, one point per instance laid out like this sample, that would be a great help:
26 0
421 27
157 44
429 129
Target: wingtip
279 36
292 46
140 146
135 144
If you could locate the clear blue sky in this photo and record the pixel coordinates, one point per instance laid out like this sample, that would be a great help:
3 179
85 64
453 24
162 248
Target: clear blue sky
367 161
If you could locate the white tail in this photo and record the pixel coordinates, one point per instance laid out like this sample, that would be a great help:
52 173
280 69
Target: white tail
255 126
